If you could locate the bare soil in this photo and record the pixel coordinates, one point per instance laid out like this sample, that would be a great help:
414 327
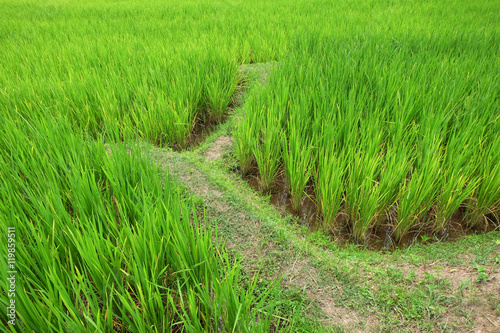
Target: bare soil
219 147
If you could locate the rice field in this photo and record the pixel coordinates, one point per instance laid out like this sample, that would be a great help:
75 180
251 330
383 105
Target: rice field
388 110
395 130
102 243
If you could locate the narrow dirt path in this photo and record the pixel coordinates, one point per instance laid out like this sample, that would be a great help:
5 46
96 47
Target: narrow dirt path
248 236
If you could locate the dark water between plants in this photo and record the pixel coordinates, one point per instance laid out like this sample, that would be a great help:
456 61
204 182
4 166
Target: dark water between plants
380 238
200 132
282 199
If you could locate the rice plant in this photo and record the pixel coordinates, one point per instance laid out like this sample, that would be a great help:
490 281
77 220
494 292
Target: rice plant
242 137
297 151
266 147
329 186
486 197
362 192
458 181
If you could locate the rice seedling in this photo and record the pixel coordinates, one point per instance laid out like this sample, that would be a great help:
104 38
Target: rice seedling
297 151
419 193
396 166
221 81
266 147
329 185
486 197
244 135
362 190
458 181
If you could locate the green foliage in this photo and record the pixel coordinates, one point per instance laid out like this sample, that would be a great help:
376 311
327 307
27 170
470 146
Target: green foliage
102 244
242 137
391 108
402 126
297 151
266 146
482 276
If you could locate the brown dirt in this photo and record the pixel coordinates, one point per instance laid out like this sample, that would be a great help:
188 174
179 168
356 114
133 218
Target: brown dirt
478 300
219 147
200 132
457 275
303 275
282 199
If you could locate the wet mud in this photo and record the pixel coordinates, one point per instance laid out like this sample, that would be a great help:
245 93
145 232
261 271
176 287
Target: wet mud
281 198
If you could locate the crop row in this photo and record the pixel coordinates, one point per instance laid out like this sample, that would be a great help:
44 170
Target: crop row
391 132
